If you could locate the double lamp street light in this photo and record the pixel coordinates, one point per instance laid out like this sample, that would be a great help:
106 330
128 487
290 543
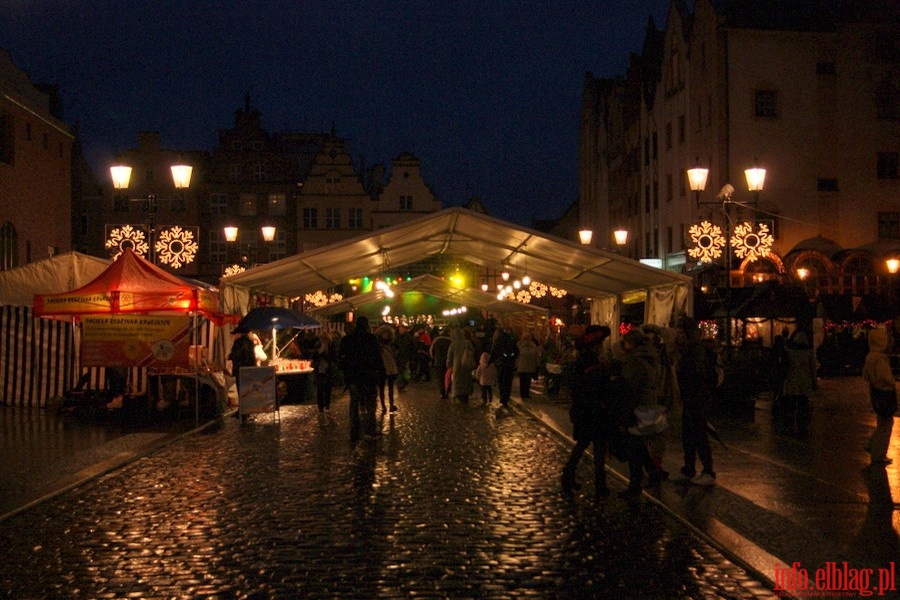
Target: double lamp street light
175 246
697 178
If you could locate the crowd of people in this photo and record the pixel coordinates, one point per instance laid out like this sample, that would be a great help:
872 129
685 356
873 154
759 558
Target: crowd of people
622 395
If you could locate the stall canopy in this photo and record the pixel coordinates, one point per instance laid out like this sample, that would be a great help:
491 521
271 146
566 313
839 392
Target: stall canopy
36 356
429 285
456 232
48 276
131 285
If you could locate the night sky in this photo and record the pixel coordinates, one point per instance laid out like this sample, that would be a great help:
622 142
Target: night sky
487 94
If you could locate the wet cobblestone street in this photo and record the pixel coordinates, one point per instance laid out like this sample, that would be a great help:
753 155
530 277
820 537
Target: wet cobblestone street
453 501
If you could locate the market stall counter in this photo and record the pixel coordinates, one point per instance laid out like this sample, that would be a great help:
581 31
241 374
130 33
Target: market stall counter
296 377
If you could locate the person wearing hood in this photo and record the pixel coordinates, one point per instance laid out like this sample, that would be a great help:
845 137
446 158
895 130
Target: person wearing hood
882 394
799 384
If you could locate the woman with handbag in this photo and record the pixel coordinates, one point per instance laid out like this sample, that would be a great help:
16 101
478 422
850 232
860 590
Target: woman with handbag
882 393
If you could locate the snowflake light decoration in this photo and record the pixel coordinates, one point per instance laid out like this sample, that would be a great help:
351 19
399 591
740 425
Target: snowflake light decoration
523 296
176 247
751 244
317 298
557 292
320 298
709 241
233 270
127 236
537 289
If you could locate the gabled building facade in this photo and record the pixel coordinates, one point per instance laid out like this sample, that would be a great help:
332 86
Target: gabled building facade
808 93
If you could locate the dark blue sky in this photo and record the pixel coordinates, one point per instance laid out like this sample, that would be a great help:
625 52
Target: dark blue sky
487 94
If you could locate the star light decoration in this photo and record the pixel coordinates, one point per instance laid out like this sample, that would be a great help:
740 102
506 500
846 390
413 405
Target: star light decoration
751 244
176 247
709 241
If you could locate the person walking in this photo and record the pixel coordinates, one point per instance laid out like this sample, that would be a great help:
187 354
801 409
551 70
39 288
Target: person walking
461 362
404 354
882 394
695 370
487 377
592 421
360 360
799 384
504 352
438 352
323 361
527 364
640 375
385 335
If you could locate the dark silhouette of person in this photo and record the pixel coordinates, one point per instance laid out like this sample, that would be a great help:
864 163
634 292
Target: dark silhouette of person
592 422
504 352
241 355
363 369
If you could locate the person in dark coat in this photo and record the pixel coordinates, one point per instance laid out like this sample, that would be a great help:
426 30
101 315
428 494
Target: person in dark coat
504 352
697 378
241 355
360 360
438 351
590 414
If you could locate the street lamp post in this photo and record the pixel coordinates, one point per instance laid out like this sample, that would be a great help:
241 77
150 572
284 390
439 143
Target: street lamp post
697 178
121 178
621 237
231 236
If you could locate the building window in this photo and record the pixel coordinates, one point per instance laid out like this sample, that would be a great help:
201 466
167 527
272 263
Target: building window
765 104
655 143
655 195
218 204
278 246
27 132
889 225
235 172
682 134
669 187
670 240
355 218
7 140
248 205
332 218
887 165
277 205
709 110
217 247
310 218
827 184
259 172
406 203
668 136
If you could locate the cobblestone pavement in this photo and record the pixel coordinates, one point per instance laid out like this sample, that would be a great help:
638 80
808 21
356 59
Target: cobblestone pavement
453 501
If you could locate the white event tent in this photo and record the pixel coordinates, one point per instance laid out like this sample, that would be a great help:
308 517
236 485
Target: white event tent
477 238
